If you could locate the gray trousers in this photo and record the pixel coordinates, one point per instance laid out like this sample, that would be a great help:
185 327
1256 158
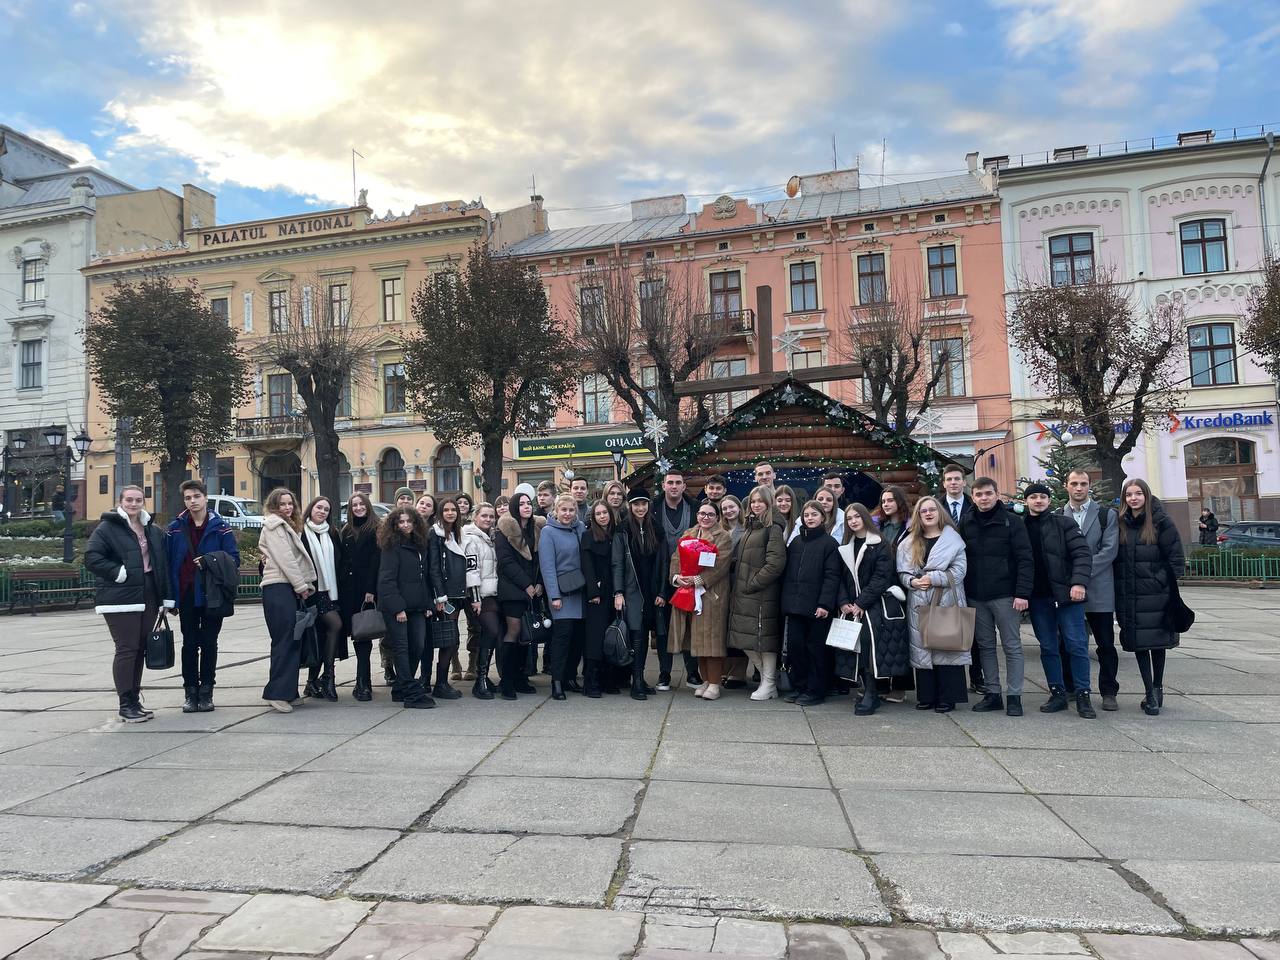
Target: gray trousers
993 615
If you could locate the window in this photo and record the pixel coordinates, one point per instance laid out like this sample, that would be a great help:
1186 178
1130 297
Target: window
596 399
948 352
221 308
344 400
32 365
393 398
808 360
392 299
804 286
1213 354
32 280
446 471
226 476
1071 259
802 234
651 302
339 304
871 278
1204 246
722 403
279 395
726 293
868 228
589 262
649 383
942 271
591 307
722 245
939 218
103 482
391 476
278 310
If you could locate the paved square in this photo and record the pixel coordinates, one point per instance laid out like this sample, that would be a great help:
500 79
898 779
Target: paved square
538 805
721 811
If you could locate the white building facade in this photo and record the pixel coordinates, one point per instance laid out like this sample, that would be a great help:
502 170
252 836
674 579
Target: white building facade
47 210
1186 223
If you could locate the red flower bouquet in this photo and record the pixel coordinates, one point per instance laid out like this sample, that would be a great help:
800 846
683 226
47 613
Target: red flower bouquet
691 551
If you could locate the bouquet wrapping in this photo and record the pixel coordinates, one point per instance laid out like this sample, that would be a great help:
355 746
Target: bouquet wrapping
693 553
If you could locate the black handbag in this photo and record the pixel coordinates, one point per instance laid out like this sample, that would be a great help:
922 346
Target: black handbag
159 653
535 625
1181 617
368 624
571 582
444 632
617 644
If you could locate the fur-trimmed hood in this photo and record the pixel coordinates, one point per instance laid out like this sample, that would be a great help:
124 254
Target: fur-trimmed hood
509 528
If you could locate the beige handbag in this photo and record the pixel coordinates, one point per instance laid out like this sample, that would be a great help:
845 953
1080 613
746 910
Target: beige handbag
947 629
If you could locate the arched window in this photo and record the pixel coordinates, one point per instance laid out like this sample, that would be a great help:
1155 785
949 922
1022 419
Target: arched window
447 471
391 475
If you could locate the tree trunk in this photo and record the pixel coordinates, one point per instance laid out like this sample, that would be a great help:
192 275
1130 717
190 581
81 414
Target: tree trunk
1111 463
172 472
325 439
491 467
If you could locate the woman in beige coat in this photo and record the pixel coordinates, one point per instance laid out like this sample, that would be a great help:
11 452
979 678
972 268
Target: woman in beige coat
288 578
755 617
703 634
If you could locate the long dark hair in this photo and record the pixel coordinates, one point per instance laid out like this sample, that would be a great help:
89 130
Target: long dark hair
899 496
599 533
513 511
451 530
389 534
368 527
1145 520
643 531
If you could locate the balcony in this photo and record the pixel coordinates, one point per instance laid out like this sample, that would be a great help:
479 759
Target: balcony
727 324
290 426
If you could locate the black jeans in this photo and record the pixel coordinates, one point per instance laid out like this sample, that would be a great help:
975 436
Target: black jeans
199 642
559 647
807 651
279 609
407 641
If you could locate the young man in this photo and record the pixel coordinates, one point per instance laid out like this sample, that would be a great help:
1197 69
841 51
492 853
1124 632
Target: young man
1061 563
833 480
957 503
1100 528
193 534
998 586
674 512
405 497
715 488
764 475
578 487
545 497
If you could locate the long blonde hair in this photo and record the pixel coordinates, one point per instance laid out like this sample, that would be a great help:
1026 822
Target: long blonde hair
272 505
917 527
765 494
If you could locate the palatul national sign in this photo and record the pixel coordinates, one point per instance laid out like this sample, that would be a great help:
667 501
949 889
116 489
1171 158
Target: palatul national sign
277 229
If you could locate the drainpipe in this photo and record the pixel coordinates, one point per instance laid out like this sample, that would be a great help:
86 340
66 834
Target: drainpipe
1262 193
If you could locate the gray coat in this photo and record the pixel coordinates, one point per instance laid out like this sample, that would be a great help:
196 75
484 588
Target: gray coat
947 555
626 582
1103 543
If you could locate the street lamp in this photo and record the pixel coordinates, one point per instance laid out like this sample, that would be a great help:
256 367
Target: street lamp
72 453
619 462
17 443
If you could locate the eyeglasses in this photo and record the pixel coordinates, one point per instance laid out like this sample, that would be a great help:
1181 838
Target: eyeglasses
706 516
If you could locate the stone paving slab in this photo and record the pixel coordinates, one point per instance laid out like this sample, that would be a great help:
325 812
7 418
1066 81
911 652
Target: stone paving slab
96 933
149 794
696 811
321 717
573 757
63 848
494 868
49 901
720 722
229 750
1036 731
908 821
246 857
1242 777
892 725
1219 897
764 764
21 783
323 799
286 923
1259 708
118 747
1198 736
222 718
1014 893
1112 947
750 879
15 934
467 717
625 719
521 931
966 769
423 753
1101 773
180 901
539 805
417 941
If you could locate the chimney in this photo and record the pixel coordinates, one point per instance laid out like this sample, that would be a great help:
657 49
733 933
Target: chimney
199 208
833 181
539 214
971 161
1195 136
669 206
1070 153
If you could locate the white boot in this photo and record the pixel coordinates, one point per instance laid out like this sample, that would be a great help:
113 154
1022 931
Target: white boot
712 692
768 688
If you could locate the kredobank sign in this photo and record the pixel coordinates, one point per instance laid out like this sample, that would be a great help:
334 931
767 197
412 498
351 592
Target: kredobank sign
1176 422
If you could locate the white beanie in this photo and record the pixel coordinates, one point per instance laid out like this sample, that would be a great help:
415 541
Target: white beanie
526 488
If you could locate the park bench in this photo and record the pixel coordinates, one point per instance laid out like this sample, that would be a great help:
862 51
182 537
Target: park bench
57 585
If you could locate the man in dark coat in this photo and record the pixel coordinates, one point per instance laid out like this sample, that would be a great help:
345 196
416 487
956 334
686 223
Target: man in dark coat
1062 563
997 585
674 512
957 503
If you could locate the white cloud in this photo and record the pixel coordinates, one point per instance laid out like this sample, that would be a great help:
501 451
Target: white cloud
1197 63
954 29
78 149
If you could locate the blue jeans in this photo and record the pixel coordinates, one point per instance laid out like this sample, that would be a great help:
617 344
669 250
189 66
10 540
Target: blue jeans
1048 619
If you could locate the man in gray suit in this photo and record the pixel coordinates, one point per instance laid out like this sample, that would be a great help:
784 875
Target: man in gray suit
1100 527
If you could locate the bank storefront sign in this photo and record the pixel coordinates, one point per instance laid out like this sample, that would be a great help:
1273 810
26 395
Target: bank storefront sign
1174 422
562 446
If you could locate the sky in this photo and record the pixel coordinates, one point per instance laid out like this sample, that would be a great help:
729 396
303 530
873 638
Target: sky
262 102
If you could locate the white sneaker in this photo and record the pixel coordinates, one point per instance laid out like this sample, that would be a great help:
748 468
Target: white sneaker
700 690
766 691
712 692
281 705
662 686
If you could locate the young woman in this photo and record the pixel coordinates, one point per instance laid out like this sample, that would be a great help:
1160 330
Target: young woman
482 590
786 505
892 514
931 549
519 585
426 507
130 562
472 641
501 507
755 617
404 597
615 495
560 559
827 501
465 506
288 578
448 573
731 518
321 541
869 594
604 600
1149 559
703 633
358 581
638 568
809 587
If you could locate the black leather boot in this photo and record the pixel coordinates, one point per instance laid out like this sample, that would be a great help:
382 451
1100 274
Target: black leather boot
509 657
870 701
1057 701
204 703
480 689
519 669
989 703
442 691
1151 703
591 679
364 688
1084 707
557 690
328 687
190 704
130 712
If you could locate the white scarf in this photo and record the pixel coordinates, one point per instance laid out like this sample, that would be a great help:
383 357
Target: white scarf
322 553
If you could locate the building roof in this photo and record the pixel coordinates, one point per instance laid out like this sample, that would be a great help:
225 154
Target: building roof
57 186
840 203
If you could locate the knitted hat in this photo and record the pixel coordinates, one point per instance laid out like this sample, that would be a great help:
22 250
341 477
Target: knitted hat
405 492
1037 488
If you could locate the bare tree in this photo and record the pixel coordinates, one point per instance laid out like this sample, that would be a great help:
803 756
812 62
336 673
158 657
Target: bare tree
1101 359
893 341
316 335
1261 333
646 330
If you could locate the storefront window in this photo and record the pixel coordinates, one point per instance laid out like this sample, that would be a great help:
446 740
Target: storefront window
1222 474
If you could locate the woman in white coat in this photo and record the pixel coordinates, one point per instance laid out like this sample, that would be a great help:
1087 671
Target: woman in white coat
926 555
482 591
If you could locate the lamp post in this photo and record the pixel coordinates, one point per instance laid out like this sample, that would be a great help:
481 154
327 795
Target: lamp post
619 463
17 443
73 452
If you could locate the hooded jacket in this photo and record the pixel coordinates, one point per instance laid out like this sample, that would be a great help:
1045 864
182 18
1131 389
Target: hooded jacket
560 552
114 557
403 584
284 558
482 563
813 573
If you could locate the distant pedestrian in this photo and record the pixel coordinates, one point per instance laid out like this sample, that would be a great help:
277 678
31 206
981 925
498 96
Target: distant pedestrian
1208 527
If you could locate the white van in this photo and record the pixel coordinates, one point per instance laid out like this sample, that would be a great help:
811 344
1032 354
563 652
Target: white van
237 511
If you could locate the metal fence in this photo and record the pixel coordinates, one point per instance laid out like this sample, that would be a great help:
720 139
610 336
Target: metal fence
250 585
1227 565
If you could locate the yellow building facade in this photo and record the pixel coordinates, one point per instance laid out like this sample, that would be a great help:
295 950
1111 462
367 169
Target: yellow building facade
257 274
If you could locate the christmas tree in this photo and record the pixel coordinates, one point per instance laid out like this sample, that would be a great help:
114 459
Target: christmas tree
1057 460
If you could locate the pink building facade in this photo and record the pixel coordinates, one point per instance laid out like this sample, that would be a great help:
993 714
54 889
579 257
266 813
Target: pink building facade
792 274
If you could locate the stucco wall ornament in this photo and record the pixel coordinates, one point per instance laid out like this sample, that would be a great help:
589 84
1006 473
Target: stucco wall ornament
725 207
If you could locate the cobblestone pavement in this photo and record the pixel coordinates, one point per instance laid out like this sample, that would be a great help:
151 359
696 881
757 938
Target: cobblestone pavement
721 829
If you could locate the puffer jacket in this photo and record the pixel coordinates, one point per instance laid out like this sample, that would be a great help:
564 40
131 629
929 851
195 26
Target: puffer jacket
1065 553
755 613
284 558
813 573
447 565
998 554
114 557
868 580
358 574
482 563
1143 588
403 584
217 535
947 556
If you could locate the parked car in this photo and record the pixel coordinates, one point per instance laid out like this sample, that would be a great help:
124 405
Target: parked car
1254 534
380 510
237 511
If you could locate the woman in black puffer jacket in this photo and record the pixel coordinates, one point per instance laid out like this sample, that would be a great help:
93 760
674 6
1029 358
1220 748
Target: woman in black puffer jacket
1149 558
808 598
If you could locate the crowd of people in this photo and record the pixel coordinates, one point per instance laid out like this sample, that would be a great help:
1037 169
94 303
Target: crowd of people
597 585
